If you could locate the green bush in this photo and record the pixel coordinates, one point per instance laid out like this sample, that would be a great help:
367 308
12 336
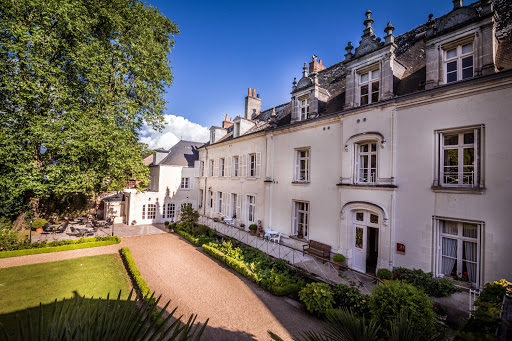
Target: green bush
351 298
384 274
437 287
486 318
38 223
338 258
197 241
8 238
273 275
5 223
63 245
390 298
317 297
253 227
166 223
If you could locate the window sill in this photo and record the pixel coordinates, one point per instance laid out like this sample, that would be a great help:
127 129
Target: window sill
368 186
301 182
303 239
465 190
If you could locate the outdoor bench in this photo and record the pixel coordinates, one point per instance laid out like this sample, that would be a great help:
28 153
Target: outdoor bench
318 249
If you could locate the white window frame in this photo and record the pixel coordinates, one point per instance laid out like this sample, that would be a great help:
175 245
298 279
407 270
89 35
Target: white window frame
301 217
201 196
222 167
251 166
460 238
478 146
212 166
170 211
372 172
373 80
202 168
185 183
236 166
150 213
218 208
251 208
458 59
304 107
302 165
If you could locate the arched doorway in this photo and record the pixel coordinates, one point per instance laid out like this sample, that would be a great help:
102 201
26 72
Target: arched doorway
365 232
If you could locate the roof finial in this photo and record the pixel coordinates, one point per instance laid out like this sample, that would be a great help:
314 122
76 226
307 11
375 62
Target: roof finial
369 21
349 49
305 68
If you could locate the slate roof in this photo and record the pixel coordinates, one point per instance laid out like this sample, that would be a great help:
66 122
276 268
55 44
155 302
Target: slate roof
118 197
183 153
410 53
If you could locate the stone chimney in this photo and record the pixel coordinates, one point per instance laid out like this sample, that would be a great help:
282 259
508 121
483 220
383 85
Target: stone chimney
315 66
252 104
457 4
227 123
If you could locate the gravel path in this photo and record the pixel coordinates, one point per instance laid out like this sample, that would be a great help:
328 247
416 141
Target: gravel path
237 308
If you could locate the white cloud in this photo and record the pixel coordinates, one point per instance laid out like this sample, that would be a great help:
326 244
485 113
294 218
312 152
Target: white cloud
176 128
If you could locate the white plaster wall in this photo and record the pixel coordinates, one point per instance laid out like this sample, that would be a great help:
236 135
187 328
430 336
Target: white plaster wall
417 203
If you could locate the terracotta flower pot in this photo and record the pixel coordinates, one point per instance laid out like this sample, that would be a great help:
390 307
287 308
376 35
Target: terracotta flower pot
39 230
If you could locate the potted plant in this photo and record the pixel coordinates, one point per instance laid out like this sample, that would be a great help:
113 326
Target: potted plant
169 227
253 228
299 234
38 225
242 225
338 260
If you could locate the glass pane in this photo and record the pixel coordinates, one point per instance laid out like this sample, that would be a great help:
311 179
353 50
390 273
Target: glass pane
469 138
374 147
470 230
363 148
451 140
375 74
467 48
359 216
451 157
469 156
451 77
451 53
373 161
359 237
467 73
467 62
364 90
449 227
374 219
364 99
375 91
451 66
364 78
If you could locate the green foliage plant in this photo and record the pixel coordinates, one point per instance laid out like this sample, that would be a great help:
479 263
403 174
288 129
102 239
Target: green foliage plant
26 248
486 318
5 223
317 297
86 319
197 241
166 223
351 298
338 258
38 223
253 227
384 274
76 97
189 217
437 287
390 298
8 238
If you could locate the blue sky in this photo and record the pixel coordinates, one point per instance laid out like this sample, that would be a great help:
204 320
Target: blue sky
226 47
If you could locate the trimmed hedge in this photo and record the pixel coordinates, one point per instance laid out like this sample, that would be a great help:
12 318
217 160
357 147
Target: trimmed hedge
197 241
69 245
276 289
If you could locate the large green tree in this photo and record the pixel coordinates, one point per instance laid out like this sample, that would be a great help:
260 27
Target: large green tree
78 80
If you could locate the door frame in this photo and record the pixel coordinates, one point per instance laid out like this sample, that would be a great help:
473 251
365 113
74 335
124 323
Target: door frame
364 223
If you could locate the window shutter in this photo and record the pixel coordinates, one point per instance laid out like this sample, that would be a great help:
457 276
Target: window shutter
356 163
216 168
244 166
239 205
295 228
227 208
258 165
214 201
296 174
191 183
206 170
197 168
476 169
223 206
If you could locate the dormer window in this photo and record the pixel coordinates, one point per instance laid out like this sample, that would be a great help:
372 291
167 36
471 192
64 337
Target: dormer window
459 63
304 107
369 87
236 129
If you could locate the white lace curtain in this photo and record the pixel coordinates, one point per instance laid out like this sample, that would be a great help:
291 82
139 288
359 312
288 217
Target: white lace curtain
470 253
449 252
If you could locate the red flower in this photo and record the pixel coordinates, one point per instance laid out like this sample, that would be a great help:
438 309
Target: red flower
465 273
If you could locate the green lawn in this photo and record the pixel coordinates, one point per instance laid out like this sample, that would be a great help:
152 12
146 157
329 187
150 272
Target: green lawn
25 286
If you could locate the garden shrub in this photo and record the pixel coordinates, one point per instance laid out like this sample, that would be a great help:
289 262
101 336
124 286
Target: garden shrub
8 238
5 223
437 287
273 275
384 274
486 318
351 298
317 297
38 223
338 258
197 241
390 298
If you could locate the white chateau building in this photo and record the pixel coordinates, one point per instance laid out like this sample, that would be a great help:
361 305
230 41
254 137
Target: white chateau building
399 155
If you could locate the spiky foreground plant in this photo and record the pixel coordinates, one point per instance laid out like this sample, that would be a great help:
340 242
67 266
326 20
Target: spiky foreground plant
86 319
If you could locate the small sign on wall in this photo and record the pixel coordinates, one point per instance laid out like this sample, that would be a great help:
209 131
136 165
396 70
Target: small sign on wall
400 248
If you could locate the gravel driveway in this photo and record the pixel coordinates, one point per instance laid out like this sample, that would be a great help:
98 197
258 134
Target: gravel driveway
237 308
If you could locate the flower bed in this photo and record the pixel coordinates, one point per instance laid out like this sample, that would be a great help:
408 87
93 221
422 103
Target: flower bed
437 287
273 275
197 241
63 245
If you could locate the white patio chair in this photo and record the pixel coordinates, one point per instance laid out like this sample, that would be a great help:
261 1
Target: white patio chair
276 238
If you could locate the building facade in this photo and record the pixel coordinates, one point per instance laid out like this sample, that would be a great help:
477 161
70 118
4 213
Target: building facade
396 156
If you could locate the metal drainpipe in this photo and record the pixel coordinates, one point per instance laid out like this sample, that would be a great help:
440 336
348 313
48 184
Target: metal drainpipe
205 183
